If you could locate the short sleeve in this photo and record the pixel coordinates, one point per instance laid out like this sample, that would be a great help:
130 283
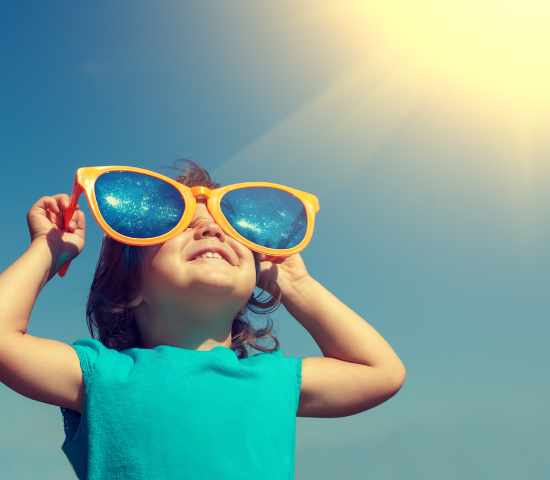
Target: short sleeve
90 352
293 366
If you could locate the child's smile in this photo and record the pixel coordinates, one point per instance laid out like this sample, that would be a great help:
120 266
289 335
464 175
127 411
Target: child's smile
210 255
213 252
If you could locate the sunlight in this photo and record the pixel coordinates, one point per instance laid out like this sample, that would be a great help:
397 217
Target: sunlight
471 70
495 47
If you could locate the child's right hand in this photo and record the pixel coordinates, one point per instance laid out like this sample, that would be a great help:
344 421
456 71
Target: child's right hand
46 221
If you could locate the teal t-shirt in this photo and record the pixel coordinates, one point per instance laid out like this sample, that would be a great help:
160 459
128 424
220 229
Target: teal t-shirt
170 413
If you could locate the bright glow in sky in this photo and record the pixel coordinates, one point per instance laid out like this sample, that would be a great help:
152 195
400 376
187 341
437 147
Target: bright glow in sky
481 65
497 47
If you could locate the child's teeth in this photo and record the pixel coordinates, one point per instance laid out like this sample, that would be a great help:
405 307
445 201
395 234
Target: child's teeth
211 255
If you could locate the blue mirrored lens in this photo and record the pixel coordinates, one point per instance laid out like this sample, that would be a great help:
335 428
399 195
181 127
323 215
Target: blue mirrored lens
138 205
266 216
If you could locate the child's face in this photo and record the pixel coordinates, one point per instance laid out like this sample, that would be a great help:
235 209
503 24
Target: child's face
177 272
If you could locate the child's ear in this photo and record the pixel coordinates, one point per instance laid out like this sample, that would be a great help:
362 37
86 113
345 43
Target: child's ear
136 301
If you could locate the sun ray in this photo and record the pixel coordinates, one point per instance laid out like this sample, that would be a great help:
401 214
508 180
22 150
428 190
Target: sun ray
475 67
346 123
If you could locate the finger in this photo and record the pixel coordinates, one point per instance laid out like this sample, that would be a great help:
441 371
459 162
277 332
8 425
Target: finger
48 204
78 221
65 201
267 272
57 214
62 200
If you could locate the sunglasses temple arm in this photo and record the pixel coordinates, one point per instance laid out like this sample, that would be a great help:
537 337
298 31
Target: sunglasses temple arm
75 194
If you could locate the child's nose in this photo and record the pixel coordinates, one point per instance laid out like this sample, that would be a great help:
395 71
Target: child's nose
209 228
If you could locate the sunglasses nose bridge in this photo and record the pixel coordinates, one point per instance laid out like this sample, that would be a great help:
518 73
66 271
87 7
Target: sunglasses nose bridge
200 192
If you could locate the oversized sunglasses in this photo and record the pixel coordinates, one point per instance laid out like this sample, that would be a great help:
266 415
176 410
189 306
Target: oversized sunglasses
140 207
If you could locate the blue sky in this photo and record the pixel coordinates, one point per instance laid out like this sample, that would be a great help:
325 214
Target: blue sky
433 192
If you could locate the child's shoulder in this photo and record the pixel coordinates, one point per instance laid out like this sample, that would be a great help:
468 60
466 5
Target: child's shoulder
92 352
91 347
277 360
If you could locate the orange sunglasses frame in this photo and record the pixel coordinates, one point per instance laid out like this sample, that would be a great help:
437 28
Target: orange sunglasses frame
86 177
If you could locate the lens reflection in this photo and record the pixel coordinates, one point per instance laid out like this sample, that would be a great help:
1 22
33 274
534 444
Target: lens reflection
138 205
266 216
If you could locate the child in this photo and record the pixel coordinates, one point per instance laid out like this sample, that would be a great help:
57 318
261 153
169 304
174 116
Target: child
169 389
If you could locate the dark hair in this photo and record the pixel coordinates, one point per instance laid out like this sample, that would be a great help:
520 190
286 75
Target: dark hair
117 281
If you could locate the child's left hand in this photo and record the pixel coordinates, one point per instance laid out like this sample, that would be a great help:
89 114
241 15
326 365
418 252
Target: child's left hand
286 271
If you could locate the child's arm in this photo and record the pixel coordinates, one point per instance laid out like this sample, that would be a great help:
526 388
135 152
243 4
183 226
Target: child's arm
360 370
38 368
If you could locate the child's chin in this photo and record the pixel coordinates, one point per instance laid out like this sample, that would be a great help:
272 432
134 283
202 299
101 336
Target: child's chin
216 280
